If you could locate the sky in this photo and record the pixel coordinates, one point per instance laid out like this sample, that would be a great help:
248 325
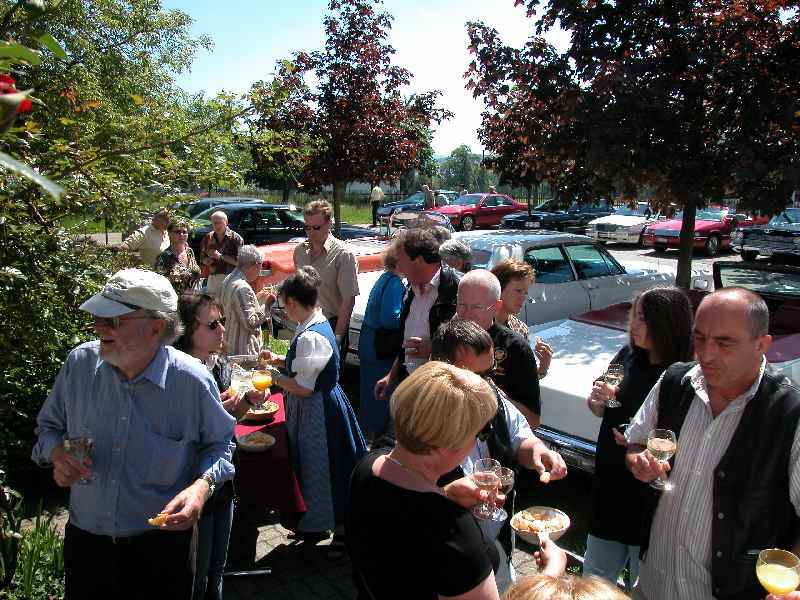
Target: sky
429 36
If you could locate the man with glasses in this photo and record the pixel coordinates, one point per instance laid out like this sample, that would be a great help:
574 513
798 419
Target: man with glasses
336 265
506 438
515 370
218 252
159 445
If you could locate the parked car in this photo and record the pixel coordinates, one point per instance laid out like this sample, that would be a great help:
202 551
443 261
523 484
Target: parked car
260 223
585 344
712 230
415 202
471 211
547 216
625 225
780 238
196 207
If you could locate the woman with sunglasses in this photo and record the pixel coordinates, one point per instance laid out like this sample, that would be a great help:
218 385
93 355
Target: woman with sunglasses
177 263
204 338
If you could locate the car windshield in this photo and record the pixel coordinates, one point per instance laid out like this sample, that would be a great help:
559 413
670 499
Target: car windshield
467 200
761 280
640 211
791 216
704 215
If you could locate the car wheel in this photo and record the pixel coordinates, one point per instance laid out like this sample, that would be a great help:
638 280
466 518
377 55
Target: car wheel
712 245
749 255
467 224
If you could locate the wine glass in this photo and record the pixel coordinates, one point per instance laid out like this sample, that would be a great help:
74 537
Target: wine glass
241 379
506 476
662 444
778 571
484 474
81 448
613 377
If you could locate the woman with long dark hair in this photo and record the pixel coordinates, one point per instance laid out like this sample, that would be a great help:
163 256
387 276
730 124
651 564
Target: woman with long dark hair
659 329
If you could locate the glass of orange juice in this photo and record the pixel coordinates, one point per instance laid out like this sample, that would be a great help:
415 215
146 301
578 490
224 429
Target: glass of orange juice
778 571
261 380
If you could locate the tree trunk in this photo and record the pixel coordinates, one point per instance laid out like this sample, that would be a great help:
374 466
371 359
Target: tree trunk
339 188
683 277
287 191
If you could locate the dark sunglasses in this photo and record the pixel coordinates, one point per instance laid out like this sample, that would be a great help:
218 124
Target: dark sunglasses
215 323
314 227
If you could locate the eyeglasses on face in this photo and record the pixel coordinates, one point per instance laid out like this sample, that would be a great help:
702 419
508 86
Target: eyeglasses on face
116 322
180 231
314 227
212 325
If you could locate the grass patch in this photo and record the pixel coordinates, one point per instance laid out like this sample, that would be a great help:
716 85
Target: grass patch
356 214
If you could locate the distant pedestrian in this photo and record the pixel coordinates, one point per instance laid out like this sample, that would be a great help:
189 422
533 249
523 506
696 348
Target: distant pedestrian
456 254
218 251
375 199
150 240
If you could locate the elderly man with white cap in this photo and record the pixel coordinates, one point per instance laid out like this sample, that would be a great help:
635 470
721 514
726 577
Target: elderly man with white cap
160 443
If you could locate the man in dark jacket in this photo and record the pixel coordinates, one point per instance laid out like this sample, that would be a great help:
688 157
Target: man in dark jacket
736 476
430 300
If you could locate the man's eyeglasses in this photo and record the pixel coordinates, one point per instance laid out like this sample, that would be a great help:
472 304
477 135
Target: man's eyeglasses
461 306
314 227
212 325
115 322
180 231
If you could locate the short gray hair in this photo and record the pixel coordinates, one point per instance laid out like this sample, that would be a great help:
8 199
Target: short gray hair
486 279
248 255
455 249
174 325
218 213
441 233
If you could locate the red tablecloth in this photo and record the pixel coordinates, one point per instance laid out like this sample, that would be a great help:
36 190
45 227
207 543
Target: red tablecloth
267 479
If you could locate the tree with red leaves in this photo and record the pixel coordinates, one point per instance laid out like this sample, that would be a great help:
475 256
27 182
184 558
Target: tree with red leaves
693 99
366 129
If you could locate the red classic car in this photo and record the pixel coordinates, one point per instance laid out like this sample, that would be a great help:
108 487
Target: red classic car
712 230
479 210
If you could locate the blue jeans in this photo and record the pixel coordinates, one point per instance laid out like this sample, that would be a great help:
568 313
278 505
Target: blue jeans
213 533
607 559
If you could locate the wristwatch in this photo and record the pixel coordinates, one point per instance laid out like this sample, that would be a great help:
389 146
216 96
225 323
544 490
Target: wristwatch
212 484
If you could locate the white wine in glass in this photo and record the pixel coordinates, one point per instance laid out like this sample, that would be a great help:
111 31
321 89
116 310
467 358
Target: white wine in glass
778 571
506 476
613 376
662 444
484 474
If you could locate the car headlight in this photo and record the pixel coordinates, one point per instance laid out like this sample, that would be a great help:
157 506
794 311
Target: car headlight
699 234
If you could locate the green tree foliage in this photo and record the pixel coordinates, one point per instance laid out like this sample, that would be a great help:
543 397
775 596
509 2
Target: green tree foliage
691 99
108 126
460 168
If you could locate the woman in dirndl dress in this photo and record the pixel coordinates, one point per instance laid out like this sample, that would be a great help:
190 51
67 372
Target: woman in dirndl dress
325 439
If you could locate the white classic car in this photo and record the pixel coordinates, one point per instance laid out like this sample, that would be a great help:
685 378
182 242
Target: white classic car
625 225
585 344
574 275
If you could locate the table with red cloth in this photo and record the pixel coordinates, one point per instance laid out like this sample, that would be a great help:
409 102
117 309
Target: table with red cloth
266 479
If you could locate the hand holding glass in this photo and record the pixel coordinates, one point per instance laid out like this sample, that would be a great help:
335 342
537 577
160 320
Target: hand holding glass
662 444
484 474
81 448
778 571
613 376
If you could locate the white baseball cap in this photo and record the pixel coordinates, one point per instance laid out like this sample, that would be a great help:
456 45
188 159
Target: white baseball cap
131 289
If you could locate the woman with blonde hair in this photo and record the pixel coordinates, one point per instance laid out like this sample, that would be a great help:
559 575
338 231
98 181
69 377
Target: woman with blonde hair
436 547
563 587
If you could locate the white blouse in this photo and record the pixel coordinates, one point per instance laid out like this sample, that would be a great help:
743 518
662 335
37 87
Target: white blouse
312 352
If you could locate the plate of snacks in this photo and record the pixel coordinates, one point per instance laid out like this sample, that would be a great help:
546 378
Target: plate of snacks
530 522
262 413
255 441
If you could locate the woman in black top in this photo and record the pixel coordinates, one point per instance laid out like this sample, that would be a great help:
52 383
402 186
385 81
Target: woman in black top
407 537
659 329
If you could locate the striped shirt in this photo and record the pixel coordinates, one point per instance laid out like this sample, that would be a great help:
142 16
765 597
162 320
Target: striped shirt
678 565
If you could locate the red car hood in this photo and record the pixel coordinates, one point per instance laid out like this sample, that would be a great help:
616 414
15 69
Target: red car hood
676 224
452 209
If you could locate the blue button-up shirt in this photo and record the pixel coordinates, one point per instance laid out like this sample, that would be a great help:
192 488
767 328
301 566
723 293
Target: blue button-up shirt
153 435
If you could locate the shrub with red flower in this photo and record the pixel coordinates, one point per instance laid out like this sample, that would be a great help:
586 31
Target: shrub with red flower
9 86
